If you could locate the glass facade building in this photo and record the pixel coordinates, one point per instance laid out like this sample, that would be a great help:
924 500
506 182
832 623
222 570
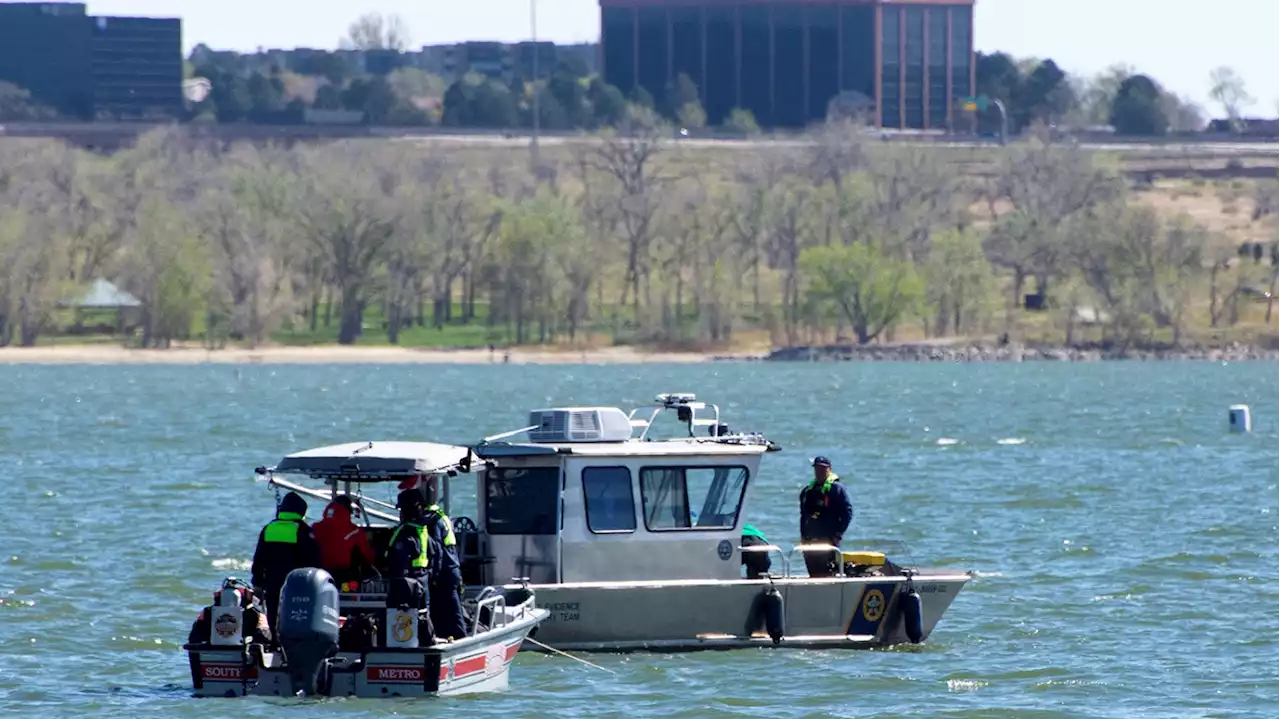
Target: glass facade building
136 68
785 60
90 67
45 50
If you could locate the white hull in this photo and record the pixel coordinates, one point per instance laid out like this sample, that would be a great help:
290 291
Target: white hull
689 615
476 664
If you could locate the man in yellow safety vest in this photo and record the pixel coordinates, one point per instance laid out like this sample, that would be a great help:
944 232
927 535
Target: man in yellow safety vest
286 543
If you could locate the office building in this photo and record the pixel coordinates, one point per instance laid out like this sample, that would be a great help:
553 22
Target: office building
89 67
786 60
136 67
45 50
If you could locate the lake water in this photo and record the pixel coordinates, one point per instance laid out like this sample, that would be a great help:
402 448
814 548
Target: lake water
1124 543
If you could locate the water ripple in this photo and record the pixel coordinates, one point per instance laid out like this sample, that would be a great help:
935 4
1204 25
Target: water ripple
1125 545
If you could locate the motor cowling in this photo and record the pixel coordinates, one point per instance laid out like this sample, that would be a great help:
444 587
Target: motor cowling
308 627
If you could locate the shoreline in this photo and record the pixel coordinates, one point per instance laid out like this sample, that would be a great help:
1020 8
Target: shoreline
964 353
333 354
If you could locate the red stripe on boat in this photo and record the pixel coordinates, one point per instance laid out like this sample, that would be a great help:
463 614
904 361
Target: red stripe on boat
470 665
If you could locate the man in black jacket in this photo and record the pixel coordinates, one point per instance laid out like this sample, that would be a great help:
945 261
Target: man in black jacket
825 515
285 544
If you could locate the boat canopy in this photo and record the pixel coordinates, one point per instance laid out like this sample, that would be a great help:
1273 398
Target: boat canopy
378 461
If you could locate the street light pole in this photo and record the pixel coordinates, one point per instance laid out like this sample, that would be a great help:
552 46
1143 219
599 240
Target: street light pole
1004 121
533 26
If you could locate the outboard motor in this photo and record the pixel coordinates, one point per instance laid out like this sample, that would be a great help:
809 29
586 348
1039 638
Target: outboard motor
308 627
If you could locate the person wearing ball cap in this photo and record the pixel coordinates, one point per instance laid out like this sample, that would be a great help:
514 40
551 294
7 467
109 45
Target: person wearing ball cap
825 515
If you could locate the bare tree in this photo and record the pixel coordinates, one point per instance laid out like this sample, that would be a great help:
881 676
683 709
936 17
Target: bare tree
628 160
1039 187
346 214
244 214
1227 89
375 31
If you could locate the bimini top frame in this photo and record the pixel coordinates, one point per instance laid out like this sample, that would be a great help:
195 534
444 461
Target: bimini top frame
377 461
356 463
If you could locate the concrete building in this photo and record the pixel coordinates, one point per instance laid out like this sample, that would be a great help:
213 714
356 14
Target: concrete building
92 67
786 60
504 61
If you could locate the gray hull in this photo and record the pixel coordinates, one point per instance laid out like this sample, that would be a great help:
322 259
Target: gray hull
687 615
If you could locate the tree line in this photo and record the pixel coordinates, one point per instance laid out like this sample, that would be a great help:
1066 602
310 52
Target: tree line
1133 103
256 88
632 237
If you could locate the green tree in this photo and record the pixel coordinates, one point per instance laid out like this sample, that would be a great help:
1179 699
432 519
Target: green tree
410 83
1044 94
479 102
167 269
374 96
871 289
958 281
544 266
997 76
570 94
1138 108
228 96
328 65
693 116
266 98
680 92
640 97
1098 93
1140 267
328 97
551 114
16 104
743 121
608 105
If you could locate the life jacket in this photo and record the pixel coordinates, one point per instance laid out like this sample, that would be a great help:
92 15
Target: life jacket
434 512
283 529
818 498
339 538
422 560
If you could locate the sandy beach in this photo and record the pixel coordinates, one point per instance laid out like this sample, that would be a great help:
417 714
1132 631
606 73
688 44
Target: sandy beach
107 354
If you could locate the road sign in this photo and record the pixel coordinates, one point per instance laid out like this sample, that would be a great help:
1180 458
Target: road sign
974 104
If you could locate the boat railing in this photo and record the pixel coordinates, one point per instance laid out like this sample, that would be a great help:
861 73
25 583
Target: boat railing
805 549
497 604
769 548
786 555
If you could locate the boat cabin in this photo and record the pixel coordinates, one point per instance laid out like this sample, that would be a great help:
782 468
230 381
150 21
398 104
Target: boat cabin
588 495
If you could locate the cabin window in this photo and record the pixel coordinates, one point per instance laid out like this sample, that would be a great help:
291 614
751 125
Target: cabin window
692 498
522 501
611 506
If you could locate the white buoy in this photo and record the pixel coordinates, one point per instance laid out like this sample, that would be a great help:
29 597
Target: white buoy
1238 418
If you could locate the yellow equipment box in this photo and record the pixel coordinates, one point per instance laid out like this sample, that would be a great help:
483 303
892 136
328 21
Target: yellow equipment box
870 559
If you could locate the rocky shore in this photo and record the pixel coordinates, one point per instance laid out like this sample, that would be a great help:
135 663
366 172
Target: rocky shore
1234 352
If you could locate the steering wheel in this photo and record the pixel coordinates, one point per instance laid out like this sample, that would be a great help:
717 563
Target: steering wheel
464 524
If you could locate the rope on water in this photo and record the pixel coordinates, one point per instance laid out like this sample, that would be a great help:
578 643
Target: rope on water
535 642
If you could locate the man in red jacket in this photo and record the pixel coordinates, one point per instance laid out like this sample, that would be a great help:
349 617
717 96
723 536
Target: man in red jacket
345 551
